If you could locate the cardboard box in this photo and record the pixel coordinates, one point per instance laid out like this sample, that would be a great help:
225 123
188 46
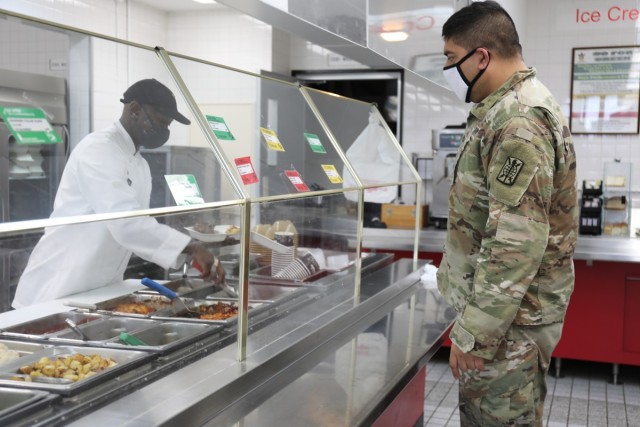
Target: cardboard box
403 216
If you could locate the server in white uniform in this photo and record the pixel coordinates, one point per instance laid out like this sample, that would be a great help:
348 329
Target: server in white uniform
106 173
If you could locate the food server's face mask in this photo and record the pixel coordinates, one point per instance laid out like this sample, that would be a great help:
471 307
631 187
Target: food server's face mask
153 134
456 79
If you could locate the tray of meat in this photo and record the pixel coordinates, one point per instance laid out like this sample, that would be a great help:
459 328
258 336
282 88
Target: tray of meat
134 305
216 311
68 370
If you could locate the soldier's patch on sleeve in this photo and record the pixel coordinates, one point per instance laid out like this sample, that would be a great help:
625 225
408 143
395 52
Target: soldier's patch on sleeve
511 169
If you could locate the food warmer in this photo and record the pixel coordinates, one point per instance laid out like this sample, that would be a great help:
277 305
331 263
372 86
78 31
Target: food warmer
313 307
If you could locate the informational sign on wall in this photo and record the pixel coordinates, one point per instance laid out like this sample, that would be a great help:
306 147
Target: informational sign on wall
184 189
29 125
605 90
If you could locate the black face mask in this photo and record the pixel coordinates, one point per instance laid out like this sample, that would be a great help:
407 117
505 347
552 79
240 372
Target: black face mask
155 135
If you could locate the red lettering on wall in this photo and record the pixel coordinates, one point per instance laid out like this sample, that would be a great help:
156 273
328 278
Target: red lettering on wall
586 16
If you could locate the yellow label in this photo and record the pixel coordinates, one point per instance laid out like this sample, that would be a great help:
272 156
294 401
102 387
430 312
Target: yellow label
332 174
272 139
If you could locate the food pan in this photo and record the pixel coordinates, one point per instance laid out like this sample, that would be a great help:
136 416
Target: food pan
124 360
20 347
48 326
16 404
106 330
166 336
197 305
153 302
263 293
263 275
182 287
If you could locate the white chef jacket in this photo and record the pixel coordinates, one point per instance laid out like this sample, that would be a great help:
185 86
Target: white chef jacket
104 174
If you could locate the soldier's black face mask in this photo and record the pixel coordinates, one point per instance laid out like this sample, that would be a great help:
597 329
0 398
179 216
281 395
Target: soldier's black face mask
456 79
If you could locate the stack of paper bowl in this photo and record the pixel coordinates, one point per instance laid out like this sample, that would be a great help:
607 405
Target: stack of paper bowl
300 268
280 260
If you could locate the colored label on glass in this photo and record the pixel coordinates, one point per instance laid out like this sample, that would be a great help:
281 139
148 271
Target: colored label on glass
246 170
332 174
29 125
296 180
314 143
220 128
272 139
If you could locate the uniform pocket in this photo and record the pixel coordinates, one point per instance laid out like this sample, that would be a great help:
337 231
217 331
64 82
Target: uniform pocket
502 377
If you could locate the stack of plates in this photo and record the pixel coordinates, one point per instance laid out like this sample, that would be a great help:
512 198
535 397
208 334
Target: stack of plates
299 269
281 260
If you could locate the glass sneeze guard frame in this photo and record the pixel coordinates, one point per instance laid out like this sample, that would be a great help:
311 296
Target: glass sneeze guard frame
243 199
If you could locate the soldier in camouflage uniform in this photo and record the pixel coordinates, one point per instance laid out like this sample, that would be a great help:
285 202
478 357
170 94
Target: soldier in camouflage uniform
512 226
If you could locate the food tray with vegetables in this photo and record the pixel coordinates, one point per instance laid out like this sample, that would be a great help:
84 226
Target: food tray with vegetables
69 369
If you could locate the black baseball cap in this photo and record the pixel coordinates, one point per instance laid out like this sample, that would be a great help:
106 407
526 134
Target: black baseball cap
152 92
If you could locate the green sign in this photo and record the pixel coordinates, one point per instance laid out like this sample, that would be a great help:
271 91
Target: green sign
219 128
184 189
29 125
314 143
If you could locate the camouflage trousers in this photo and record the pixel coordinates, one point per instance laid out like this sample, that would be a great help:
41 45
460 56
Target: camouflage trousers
511 389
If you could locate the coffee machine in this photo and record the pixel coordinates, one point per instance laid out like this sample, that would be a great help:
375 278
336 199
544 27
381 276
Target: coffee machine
445 143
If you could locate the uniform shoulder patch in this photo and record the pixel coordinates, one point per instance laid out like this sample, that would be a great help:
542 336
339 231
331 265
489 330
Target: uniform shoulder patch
510 171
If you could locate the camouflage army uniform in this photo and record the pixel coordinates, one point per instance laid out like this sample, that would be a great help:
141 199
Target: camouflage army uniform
507 267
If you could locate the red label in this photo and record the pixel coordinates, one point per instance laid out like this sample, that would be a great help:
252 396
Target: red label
246 170
296 180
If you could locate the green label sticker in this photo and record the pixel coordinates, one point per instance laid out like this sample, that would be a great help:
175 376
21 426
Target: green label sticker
184 189
314 143
29 125
220 128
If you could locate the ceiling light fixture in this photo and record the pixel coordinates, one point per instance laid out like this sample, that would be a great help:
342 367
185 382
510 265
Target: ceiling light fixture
394 36
205 1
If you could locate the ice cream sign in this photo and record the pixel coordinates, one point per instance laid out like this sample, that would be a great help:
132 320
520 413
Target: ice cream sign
29 125
612 14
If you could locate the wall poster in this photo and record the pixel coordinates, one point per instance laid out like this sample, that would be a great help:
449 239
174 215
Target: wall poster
605 90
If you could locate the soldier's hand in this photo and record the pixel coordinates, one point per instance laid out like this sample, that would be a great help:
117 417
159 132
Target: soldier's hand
460 362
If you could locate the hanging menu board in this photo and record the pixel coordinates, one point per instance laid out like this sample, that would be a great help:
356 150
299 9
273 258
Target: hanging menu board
605 90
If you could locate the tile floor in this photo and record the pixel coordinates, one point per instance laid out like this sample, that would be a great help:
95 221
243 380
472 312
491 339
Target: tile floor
582 397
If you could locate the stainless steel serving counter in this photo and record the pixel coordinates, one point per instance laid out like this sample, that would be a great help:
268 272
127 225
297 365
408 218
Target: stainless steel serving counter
334 361
595 248
341 364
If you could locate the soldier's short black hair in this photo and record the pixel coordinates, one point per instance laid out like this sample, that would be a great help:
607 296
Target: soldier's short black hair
484 24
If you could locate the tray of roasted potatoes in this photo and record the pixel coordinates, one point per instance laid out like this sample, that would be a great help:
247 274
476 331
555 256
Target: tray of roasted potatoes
69 369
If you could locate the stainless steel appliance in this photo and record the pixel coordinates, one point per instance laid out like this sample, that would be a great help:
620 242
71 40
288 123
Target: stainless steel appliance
445 143
29 173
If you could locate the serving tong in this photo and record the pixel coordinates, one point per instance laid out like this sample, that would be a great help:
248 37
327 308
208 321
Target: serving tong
163 290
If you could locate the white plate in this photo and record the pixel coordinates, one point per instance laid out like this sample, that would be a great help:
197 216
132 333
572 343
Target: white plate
206 237
268 243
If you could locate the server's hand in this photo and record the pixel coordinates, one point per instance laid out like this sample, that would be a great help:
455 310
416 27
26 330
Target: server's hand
204 261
